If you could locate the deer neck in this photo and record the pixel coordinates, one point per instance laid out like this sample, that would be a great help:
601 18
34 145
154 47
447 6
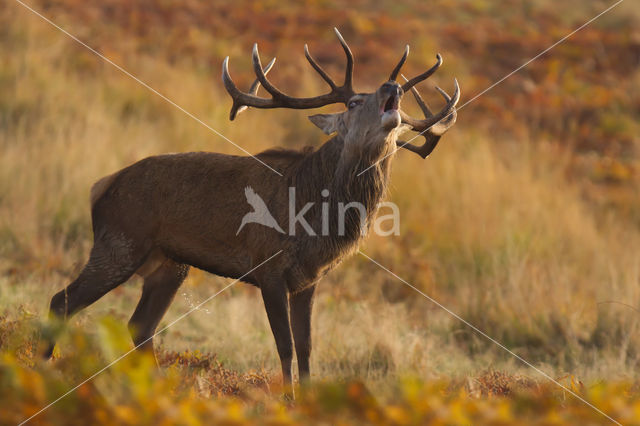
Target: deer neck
349 176
362 173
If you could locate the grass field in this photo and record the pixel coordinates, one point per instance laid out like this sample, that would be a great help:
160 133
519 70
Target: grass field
525 221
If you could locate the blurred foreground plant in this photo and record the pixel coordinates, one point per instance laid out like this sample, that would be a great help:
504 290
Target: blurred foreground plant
194 388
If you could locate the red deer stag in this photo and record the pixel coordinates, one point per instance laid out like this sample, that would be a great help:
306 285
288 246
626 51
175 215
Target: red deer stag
166 213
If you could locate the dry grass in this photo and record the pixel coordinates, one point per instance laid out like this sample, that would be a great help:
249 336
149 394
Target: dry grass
519 222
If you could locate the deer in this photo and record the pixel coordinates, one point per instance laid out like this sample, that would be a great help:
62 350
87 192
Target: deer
164 214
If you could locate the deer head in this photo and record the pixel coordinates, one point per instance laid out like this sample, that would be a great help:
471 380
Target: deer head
370 118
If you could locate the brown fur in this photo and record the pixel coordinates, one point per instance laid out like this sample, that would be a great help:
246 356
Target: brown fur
98 188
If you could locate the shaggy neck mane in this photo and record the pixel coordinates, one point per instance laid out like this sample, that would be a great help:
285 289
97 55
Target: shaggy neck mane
331 168
311 171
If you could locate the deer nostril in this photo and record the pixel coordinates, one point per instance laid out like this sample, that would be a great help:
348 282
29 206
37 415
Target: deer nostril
393 88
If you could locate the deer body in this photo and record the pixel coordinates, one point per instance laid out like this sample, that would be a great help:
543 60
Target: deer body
188 207
166 213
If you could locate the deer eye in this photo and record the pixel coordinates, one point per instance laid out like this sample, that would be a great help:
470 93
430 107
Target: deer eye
354 103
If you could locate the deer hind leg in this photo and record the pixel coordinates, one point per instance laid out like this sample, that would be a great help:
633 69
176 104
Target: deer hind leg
300 305
113 259
158 291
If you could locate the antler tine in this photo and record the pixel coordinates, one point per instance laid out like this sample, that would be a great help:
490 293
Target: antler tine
421 125
433 126
253 90
444 94
319 69
415 80
242 100
421 103
396 70
262 77
348 74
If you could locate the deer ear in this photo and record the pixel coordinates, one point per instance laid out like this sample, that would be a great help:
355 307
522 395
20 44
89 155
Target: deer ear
328 123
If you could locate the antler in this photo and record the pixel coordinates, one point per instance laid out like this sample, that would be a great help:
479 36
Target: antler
253 90
241 100
396 70
433 126
415 80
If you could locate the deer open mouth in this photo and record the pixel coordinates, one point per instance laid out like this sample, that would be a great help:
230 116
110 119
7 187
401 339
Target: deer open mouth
391 104
389 112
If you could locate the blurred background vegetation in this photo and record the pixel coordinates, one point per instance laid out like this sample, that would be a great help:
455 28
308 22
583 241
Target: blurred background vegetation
525 220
